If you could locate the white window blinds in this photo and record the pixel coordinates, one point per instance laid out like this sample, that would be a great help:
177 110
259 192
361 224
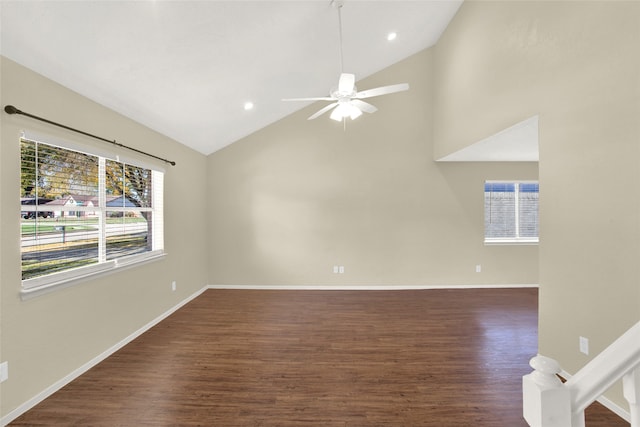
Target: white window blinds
511 212
83 213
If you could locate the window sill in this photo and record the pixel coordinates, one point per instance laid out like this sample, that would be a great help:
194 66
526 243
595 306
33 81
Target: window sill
46 284
513 242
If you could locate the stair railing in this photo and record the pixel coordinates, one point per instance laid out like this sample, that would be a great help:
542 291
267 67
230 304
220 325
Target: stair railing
547 402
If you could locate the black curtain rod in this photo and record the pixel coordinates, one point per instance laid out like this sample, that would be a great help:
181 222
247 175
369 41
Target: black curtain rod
10 109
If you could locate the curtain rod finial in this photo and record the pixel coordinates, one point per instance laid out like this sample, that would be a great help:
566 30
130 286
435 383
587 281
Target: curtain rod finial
11 109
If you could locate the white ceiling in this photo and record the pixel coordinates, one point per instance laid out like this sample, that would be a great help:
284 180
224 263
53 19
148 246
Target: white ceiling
517 143
186 68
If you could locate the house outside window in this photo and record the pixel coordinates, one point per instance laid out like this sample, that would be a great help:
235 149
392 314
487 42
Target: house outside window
511 212
83 214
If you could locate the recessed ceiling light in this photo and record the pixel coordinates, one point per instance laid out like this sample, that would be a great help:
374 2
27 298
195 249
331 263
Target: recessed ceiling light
391 36
248 105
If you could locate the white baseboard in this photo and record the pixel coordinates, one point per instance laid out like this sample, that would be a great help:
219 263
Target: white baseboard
616 409
367 287
93 362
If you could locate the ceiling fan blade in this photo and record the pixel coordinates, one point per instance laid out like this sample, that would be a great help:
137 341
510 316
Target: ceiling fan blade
322 111
347 83
364 106
384 90
324 98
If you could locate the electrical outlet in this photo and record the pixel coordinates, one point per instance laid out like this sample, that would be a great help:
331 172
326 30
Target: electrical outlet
4 371
173 285
336 269
478 268
341 269
584 345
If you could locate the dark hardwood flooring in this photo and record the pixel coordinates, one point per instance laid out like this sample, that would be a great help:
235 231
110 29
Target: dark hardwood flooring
318 358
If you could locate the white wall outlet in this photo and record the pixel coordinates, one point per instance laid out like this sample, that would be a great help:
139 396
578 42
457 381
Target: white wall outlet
336 269
478 268
173 285
584 345
4 371
341 269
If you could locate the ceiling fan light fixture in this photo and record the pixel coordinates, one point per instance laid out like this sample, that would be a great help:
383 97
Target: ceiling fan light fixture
355 112
344 110
339 113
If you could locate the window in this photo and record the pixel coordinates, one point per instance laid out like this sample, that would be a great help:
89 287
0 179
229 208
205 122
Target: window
510 212
82 214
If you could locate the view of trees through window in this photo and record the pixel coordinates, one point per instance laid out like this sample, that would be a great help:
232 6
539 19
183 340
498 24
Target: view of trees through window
78 209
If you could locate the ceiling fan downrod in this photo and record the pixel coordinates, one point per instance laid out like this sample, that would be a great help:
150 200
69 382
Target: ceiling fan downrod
338 5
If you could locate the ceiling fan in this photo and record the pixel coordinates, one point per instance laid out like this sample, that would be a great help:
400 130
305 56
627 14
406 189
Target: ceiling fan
347 101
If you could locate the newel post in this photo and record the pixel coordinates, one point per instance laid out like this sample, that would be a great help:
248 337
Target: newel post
546 401
631 386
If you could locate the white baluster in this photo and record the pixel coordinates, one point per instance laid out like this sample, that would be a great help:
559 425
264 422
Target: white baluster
546 401
631 385
577 419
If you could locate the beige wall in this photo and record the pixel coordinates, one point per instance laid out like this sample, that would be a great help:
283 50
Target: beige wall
46 338
292 200
577 65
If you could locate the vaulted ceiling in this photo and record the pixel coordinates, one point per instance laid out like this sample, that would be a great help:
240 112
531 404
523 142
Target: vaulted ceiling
187 68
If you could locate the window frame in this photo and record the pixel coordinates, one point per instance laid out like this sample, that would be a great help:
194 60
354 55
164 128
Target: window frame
517 240
45 283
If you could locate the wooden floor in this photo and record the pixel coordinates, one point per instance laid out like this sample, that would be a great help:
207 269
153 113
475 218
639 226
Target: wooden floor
318 358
